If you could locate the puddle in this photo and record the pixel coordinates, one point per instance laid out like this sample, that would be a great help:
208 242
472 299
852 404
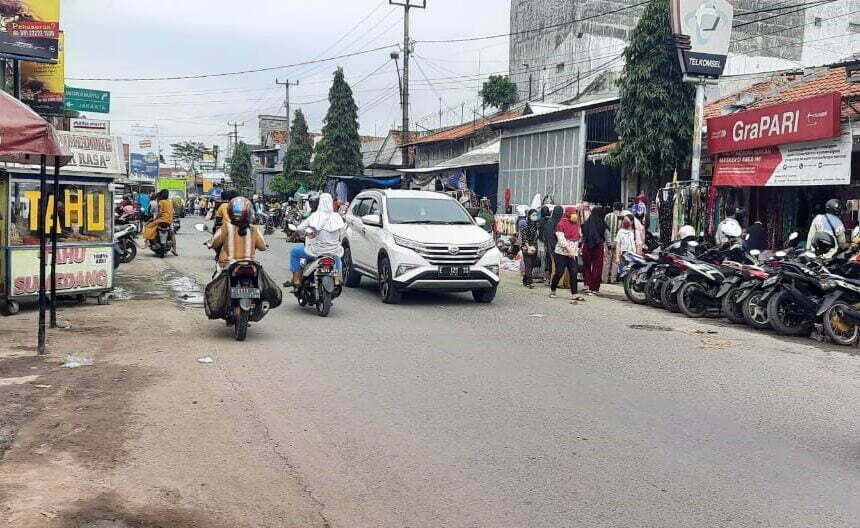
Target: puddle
170 285
654 328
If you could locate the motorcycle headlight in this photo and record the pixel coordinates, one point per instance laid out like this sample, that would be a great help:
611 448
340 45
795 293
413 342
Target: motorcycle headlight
827 284
411 244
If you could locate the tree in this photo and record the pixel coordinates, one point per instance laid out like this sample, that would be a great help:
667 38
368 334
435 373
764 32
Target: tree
499 92
240 168
298 157
339 151
655 115
189 152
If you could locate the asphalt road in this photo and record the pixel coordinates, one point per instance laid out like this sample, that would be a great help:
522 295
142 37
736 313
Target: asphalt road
531 412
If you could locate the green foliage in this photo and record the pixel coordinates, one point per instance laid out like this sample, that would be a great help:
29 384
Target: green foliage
499 92
240 168
339 151
655 118
188 152
298 157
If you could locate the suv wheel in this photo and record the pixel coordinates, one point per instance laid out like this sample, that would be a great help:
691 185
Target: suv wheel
388 292
484 295
350 277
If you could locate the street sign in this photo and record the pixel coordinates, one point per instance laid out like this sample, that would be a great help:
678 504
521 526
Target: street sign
85 100
708 25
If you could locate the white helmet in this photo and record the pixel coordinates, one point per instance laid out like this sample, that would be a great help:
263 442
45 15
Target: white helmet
256 197
686 232
732 229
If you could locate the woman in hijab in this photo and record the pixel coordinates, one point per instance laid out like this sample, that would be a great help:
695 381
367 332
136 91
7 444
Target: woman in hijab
528 239
593 240
328 228
566 251
548 235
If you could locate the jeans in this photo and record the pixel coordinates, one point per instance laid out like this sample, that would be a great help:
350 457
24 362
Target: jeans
298 253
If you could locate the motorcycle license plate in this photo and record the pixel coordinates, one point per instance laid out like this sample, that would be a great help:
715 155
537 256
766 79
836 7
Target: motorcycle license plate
453 271
770 281
245 293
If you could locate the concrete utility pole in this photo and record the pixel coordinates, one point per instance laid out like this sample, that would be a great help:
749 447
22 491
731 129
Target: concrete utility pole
231 145
286 84
407 49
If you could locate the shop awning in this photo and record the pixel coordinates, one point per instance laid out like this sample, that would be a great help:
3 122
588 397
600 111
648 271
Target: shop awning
381 182
486 154
24 135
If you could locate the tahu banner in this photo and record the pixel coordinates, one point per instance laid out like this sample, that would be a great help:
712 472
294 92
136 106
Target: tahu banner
823 162
708 23
802 120
30 29
78 269
43 85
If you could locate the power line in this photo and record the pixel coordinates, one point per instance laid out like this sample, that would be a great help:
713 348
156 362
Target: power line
796 26
812 4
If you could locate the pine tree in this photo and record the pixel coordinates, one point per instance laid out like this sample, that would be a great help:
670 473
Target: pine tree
655 116
339 151
297 157
240 168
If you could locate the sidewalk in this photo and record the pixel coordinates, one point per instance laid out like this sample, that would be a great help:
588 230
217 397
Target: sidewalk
145 436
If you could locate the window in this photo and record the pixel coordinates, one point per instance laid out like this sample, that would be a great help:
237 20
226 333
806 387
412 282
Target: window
854 27
83 213
374 207
426 211
362 207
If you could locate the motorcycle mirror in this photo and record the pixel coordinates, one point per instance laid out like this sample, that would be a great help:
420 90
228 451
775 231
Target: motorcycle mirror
780 254
793 235
292 227
693 244
200 227
747 236
754 252
809 254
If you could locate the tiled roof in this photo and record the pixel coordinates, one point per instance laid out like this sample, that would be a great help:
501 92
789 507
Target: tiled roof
603 149
279 137
782 90
368 139
464 130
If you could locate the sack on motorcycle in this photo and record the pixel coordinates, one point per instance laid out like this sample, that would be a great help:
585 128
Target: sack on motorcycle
217 297
270 290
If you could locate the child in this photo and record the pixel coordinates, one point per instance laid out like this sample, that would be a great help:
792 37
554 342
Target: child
625 240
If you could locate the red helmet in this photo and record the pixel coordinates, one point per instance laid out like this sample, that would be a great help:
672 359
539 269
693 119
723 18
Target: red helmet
241 210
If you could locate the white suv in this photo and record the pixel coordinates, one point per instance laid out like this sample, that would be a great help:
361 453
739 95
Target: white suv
418 240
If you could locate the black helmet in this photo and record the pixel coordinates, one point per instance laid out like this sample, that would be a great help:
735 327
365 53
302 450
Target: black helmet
823 242
833 206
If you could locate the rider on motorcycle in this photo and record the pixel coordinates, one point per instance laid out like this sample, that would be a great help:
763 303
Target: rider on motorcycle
237 238
328 230
163 214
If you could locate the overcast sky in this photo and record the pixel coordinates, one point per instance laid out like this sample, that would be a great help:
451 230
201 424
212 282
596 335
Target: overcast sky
160 38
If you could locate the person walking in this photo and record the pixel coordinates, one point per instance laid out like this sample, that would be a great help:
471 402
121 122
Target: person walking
593 240
528 239
566 252
549 238
613 225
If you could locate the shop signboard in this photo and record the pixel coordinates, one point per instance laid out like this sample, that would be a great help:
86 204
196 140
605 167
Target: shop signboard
93 153
708 24
823 162
92 126
143 153
79 269
807 119
30 30
43 85
86 100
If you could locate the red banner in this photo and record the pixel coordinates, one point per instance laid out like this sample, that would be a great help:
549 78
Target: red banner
804 120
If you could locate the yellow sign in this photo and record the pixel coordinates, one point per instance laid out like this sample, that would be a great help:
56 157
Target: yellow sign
207 186
43 85
78 269
73 210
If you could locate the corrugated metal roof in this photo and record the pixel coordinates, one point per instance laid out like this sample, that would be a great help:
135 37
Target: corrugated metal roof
464 130
561 109
486 154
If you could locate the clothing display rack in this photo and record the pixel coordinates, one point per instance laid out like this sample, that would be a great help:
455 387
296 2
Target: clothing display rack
685 202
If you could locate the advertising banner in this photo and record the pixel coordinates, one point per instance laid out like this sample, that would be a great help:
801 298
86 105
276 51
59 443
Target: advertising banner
143 153
78 269
30 29
93 153
823 162
92 126
803 120
86 100
43 84
708 23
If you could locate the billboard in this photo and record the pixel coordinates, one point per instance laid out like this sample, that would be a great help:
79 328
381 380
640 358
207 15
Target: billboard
143 153
93 153
823 162
802 120
92 126
30 29
708 24
78 269
43 84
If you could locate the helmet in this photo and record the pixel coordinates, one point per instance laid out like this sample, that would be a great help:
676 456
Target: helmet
732 229
823 242
240 210
833 206
686 231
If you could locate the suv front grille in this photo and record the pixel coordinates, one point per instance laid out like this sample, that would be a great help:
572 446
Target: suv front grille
440 255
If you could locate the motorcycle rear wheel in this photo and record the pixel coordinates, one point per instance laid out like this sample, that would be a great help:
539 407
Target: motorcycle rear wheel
129 252
324 303
732 310
755 314
635 296
837 328
689 302
652 291
780 314
669 300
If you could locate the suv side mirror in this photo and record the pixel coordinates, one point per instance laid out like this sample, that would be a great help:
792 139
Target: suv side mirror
480 222
372 220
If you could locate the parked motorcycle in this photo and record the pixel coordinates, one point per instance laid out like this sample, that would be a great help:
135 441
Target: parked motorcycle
318 286
164 239
709 279
635 275
124 239
752 299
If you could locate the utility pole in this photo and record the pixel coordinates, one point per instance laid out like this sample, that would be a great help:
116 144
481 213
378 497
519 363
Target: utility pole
286 84
231 145
407 49
440 113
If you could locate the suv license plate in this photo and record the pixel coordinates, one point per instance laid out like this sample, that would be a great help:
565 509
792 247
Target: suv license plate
453 271
245 293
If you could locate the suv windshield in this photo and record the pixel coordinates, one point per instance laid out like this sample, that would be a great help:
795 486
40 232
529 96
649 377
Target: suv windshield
426 211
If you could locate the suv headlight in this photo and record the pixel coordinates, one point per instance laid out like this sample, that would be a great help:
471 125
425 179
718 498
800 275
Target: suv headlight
485 246
405 242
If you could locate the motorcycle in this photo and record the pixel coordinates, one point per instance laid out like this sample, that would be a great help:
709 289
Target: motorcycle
795 294
753 299
176 225
245 297
163 241
708 280
635 275
124 239
318 287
